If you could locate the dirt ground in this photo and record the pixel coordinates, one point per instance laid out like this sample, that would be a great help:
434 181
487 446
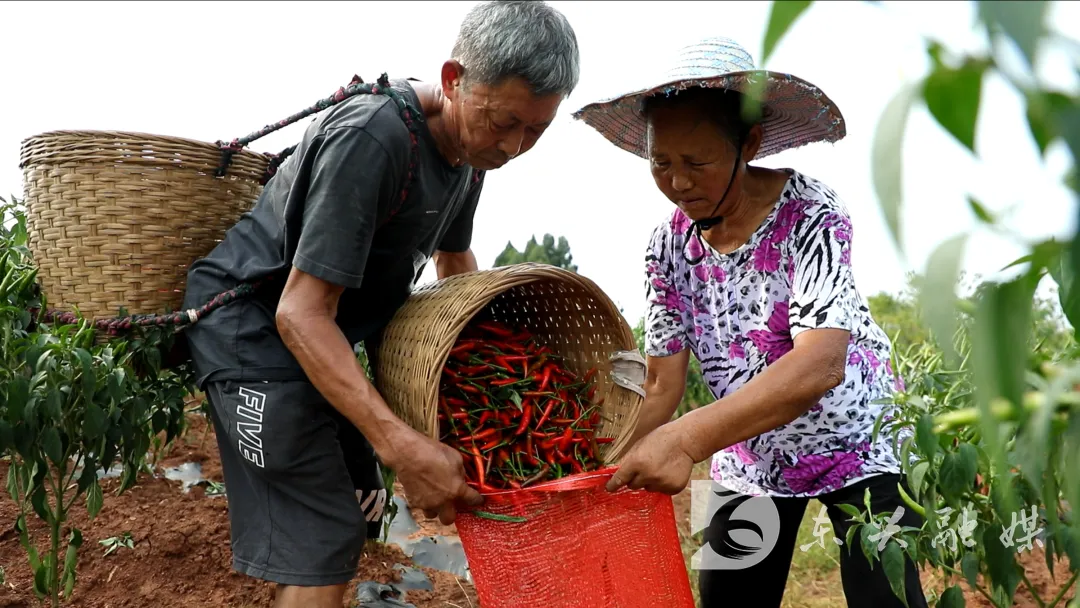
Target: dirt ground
181 556
181 553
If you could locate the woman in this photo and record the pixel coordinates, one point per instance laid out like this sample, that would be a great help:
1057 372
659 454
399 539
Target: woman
752 273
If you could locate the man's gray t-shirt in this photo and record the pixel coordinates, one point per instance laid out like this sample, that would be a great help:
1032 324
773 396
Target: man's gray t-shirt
326 213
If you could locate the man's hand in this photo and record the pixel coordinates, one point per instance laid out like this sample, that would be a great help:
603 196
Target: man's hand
433 475
657 463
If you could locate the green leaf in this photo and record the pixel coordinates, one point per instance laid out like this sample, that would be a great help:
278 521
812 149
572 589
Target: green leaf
869 547
999 354
969 565
7 437
783 15
1043 108
70 561
1061 271
41 581
886 157
968 462
980 211
916 476
925 439
851 510
951 477
1000 561
952 96
952 598
1024 21
94 422
94 499
39 501
89 379
938 294
50 442
892 559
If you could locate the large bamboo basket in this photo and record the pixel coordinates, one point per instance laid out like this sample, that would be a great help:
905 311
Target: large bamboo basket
116 218
566 311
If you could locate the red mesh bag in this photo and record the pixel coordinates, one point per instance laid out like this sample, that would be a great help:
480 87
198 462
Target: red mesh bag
579 546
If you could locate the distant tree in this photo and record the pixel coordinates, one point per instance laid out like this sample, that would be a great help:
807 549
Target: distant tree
548 252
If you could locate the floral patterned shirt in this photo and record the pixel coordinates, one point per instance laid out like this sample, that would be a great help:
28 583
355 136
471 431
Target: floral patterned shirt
740 312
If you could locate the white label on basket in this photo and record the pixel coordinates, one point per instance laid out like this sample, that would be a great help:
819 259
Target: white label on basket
751 526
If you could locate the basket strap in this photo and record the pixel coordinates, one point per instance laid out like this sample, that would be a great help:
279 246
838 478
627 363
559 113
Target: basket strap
356 86
412 117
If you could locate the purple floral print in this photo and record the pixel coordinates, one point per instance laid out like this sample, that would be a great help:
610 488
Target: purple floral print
822 472
741 312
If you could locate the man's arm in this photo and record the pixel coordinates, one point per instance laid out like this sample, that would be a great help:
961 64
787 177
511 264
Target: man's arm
433 474
305 320
448 263
355 181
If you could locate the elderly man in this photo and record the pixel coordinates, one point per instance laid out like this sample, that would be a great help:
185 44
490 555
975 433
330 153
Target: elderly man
344 231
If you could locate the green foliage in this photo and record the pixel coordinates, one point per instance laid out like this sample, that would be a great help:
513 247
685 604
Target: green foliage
73 406
781 17
988 419
549 252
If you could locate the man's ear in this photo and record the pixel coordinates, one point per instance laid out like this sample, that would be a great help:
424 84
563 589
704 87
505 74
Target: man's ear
452 74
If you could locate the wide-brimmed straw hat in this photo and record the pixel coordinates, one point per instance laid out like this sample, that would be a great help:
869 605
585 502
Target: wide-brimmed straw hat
794 112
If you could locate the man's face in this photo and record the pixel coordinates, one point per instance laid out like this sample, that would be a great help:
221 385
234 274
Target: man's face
501 122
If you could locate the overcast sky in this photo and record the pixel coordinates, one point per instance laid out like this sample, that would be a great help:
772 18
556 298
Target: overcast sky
220 70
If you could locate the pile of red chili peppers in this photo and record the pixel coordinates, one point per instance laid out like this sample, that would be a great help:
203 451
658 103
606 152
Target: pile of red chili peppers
514 411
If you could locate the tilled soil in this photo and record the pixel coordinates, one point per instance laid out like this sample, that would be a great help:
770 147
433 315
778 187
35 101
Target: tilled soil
181 554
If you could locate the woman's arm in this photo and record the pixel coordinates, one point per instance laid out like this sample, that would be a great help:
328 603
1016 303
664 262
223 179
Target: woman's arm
778 395
663 460
665 384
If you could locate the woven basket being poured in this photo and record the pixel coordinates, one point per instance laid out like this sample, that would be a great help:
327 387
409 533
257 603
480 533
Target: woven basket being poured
116 218
564 310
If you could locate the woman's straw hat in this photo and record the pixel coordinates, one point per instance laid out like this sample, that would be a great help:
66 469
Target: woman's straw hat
794 111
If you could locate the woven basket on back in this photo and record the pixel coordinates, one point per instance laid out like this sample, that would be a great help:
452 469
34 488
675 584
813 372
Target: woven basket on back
116 218
564 310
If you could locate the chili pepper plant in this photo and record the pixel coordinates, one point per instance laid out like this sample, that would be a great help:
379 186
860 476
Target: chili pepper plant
516 411
72 406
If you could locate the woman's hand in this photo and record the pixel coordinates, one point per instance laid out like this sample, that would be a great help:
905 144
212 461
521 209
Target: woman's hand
657 463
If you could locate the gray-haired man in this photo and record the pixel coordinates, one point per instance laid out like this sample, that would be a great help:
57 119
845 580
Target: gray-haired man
298 423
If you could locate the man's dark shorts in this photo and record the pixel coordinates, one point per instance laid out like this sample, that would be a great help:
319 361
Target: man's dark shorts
303 485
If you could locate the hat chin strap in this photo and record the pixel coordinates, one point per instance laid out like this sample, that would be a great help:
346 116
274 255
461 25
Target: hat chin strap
707 223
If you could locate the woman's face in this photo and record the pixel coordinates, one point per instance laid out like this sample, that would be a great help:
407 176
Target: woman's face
691 159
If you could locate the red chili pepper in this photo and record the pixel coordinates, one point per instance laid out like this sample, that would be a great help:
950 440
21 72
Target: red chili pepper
463 347
487 415
529 450
484 434
495 328
491 444
460 415
546 378
547 412
524 418
605 439
504 381
564 442
468 388
501 362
